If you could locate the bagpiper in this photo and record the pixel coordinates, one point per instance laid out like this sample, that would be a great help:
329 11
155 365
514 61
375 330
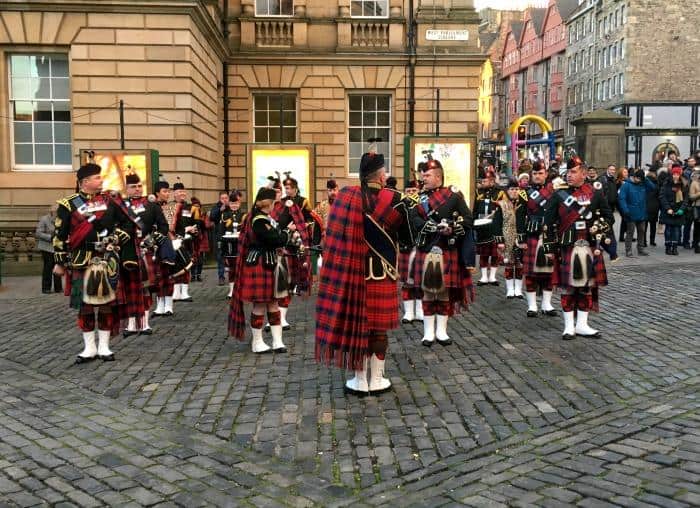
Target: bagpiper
580 224
443 222
86 242
290 210
357 299
509 225
164 267
184 227
231 220
148 241
485 206
537 267
411 293
262 275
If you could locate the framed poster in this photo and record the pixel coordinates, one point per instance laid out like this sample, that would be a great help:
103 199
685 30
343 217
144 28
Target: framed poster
457 156
116 164
268 160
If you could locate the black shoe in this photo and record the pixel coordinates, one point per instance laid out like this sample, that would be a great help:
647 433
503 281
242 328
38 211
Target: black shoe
354 392
186 299
147 331
532 313
596 335
482 283
46 291
444 342
519 297
267 327
668 251
58 290
168 313
84 359
642 253
494 283
106 358
406 321
550 313
199 278
222 282
653 244
567 336
280 350
634 240
287 327
687 246
674 250
129 333
427 343
509 297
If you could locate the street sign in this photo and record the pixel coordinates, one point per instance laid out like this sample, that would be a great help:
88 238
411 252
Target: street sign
447 35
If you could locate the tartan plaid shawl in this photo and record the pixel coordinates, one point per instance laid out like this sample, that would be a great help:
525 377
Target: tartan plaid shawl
341 307
297 218
236 317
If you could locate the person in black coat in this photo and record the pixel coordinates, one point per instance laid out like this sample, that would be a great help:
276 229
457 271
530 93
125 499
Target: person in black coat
673 198
652 210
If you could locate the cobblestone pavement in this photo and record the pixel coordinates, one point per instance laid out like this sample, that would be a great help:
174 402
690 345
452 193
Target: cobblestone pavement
509 414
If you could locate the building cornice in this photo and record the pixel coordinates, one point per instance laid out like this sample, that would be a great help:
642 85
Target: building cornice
296 58
196 9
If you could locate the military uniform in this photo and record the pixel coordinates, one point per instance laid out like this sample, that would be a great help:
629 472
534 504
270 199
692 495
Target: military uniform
485 206
230 226
509 225
536 266
445 281
183 227
261 275
579 223
86 240
358 299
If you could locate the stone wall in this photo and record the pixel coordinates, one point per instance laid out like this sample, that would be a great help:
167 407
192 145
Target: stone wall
165 67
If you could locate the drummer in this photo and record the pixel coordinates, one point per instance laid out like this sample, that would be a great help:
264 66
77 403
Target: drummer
231 219
485 207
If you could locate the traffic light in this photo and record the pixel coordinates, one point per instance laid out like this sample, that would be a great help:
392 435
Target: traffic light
522 132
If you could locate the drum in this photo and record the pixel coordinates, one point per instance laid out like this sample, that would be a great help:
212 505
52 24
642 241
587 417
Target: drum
183 259
229 245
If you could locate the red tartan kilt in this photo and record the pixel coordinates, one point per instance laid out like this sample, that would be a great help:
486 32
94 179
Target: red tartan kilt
403 267
256 284
489 249
299 269
149 271
382 305
562 270
130 294
231 264
164 282
453 272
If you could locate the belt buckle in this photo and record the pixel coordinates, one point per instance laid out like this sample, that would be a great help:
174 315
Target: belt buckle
580 225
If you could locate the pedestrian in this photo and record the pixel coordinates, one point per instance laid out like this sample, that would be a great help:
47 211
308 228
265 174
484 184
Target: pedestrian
608 183
44 236
694 198
688 225
357 298
200 242
620 178
652 209
674 203
215 216
633 207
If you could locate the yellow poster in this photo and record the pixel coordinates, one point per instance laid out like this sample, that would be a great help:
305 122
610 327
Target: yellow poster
116 165
456 160
268 162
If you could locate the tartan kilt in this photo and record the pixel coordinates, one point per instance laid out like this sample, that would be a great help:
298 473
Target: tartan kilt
489 249
382 305
130 294
453 272
231 264
562 270
299 270
403 269
256 284
149 270
164 282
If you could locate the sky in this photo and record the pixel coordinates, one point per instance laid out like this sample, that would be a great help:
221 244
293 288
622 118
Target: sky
509 4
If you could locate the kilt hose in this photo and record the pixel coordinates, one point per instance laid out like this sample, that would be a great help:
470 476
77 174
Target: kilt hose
382 305
231 263
256 283
488 254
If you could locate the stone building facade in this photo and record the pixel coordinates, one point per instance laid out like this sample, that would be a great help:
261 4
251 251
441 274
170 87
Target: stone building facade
203 80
